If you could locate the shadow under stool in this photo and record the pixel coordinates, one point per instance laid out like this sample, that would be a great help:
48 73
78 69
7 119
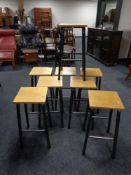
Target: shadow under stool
54 83
76 83
103 100
31 95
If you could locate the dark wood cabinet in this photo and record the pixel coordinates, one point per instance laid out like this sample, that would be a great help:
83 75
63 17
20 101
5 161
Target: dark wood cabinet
104 45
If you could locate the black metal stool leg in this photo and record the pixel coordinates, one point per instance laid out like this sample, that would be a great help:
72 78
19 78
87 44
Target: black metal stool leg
109 121
56 98
35 79
75 102
61 107
39 116
46 127
51 94
79 97
27 117
48 110
86 116
116 134
87 133
19 124
32 81
70 107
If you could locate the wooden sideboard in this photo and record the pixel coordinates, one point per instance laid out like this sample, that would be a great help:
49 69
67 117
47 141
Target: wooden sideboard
104 45
43 17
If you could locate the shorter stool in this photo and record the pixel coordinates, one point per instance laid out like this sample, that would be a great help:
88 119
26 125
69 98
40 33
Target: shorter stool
78 83
31 95
39 71
54 83
103 100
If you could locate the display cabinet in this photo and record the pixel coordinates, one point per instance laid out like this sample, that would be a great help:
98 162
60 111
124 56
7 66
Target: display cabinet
104 45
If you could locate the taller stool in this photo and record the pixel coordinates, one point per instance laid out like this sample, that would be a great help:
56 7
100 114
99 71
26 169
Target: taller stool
78 83
104 100
31 95
53 82
39 71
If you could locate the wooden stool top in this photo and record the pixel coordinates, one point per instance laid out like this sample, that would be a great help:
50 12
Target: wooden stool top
77 82
66 71
50 81
33 95
92 72
38 71
105 100
68 25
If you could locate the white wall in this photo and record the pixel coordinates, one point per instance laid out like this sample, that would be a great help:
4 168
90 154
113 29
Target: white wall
67 11
11 4
125 22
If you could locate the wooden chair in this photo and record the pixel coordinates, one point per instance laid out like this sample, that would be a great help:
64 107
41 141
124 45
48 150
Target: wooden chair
7 46
129 72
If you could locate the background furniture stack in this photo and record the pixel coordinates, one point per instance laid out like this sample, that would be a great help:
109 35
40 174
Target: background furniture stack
43 17
5 18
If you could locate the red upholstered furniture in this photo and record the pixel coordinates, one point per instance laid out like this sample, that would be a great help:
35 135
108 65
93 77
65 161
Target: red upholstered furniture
7 45
129 73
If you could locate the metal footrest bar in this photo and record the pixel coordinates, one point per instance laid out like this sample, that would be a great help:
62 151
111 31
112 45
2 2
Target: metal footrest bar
101 137
33 130
98 117
71 59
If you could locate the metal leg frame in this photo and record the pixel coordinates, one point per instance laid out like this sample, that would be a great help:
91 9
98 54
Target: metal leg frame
116 134
19 124
87 133
27 117
70 107
48 110
109 121
61 107
46 127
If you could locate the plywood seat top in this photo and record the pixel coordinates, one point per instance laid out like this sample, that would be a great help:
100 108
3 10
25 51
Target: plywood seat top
92 72
39 71
77 82
105 100
73 25
32 95
50 81
66 71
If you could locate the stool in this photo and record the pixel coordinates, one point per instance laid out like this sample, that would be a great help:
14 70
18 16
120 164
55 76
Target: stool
104 100
94 72
78 83
30 55
31 95
129 73
39 71
53 82
66 71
